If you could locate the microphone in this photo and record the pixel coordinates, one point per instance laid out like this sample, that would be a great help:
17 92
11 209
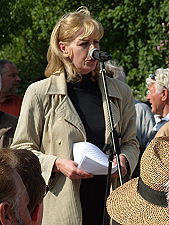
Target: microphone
99 55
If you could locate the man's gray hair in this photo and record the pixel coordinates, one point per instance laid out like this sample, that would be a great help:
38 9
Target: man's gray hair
115 71
161 79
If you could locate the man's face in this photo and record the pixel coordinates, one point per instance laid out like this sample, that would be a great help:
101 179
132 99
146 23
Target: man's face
155 98
10 80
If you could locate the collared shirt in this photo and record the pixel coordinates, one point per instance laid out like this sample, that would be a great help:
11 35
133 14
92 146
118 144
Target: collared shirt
160 121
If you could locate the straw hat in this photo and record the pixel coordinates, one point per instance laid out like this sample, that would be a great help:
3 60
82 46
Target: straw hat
142 201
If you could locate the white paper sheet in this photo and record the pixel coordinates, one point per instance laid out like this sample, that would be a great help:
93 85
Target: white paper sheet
91 159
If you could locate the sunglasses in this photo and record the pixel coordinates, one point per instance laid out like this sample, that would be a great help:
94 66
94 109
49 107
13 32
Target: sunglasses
152 76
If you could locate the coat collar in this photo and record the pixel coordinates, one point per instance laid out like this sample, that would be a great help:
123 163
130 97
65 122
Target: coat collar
57 85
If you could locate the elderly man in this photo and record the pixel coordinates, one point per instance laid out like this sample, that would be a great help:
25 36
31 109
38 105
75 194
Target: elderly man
22 188
9 82
158 96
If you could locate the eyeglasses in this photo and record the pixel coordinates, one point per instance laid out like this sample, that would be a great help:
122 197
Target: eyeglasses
152 76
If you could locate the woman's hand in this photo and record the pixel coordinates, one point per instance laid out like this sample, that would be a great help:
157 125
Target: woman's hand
123 163
69 169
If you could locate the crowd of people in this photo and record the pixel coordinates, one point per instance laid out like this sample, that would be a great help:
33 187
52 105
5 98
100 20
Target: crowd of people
38 131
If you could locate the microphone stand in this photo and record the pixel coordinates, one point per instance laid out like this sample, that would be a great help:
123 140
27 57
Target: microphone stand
114 148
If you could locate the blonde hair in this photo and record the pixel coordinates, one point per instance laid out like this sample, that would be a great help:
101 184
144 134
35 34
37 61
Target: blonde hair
161 80
66 30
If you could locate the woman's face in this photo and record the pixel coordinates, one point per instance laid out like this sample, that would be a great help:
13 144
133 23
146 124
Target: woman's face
78 52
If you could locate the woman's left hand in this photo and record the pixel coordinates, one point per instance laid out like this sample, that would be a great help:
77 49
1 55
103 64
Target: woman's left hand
123 163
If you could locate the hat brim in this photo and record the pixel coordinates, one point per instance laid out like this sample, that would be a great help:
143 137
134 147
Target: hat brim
126 206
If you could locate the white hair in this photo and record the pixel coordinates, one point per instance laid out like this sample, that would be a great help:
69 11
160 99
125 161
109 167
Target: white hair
161 80
115 71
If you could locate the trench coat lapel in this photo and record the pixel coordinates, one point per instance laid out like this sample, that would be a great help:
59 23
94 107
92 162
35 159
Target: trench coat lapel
65 109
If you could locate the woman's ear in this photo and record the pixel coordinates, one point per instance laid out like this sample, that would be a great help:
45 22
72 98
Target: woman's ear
63 49
5 214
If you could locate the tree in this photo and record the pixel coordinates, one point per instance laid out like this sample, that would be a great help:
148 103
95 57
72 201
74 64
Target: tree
135 30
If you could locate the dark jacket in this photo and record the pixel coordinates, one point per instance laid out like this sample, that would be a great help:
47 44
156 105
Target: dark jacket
7 128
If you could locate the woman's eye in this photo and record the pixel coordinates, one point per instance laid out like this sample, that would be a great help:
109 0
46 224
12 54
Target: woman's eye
84 43
96 42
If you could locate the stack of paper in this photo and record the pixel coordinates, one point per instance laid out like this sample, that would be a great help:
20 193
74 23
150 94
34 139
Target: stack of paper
91 159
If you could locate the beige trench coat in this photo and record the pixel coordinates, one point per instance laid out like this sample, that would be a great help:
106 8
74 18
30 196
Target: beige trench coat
49 125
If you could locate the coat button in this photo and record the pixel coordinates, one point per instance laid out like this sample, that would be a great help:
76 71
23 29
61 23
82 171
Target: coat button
60 118
59 142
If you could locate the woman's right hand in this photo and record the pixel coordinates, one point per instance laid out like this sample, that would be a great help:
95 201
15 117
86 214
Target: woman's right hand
69 169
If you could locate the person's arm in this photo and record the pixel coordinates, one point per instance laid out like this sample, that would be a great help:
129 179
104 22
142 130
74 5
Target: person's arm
69 169
29 130
144 123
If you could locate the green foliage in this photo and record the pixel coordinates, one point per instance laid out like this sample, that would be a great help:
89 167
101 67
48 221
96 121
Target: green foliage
136 34
133 32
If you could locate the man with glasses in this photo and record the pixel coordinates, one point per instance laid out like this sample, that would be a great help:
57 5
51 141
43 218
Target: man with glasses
10 102
22 188
158 96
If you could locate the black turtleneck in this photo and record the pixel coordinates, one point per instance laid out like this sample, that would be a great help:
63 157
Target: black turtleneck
87 100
